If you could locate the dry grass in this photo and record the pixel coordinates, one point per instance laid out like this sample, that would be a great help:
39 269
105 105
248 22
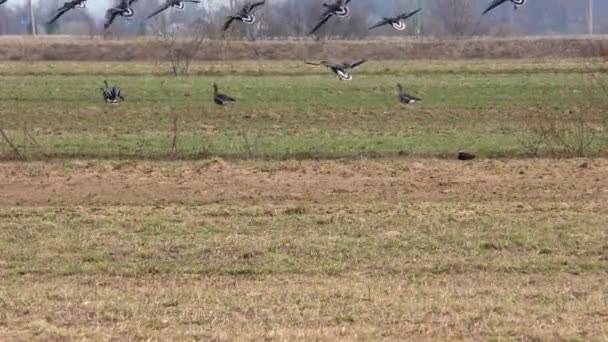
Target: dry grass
97 49
308 250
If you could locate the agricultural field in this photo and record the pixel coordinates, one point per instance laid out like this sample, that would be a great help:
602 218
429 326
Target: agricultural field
312 209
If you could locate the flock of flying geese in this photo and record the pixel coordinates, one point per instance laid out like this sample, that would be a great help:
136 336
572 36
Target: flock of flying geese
339 9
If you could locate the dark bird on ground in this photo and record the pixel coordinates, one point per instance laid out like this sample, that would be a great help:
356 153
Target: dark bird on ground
3 1
244 15
405 98
341 70
123 9
396 22
111 94
177 4
68 5
496 3
221 99
338 9
462 155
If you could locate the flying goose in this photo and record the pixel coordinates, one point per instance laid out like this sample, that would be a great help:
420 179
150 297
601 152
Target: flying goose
496 3
221 99
68 5
462 155
245 14
177 4
111 94
123 9
396 22
405 98
338 8
341 70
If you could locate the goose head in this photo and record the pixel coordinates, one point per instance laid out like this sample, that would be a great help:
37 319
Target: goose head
399 87
214 88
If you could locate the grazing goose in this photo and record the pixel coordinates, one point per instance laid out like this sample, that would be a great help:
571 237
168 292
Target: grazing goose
68 5
338 8
177 4
245 14
111 94
496 3
123 9
221 99
405 98
395 22
341 70
462 155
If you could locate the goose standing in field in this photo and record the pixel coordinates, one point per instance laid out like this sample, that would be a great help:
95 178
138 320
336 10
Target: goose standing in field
177 4
244 15
338 9
341 70
496 3
405 98
111 94
462 155
68 5
221 99
123 9
396 22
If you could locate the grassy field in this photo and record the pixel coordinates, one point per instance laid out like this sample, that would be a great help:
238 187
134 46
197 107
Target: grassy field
272 223
304 250
292 110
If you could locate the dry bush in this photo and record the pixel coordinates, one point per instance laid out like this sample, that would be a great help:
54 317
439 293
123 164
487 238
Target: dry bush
181 44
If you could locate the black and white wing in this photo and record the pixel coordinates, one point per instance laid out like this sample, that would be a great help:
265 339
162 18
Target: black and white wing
59 13
251 7
353 64
228 22
321 23
111 15
383 22
158 10
493 5
408 14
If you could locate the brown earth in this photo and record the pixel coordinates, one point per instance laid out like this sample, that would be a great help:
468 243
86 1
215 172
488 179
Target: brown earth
86 49
314 182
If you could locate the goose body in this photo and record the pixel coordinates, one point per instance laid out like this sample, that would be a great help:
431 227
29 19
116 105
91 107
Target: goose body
221 99
123 9
462 155
496 3
342 70
245 15
405 98
177 4
111 95
68 5
396 22
338 8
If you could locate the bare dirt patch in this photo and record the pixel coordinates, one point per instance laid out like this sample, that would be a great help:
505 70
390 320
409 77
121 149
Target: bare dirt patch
218 181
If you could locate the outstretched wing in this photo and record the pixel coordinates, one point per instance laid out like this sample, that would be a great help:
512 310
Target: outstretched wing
493 5
407 15
160 9
111 15
378 24
228 23
354 64
59 13
3 1
254 5
320 23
